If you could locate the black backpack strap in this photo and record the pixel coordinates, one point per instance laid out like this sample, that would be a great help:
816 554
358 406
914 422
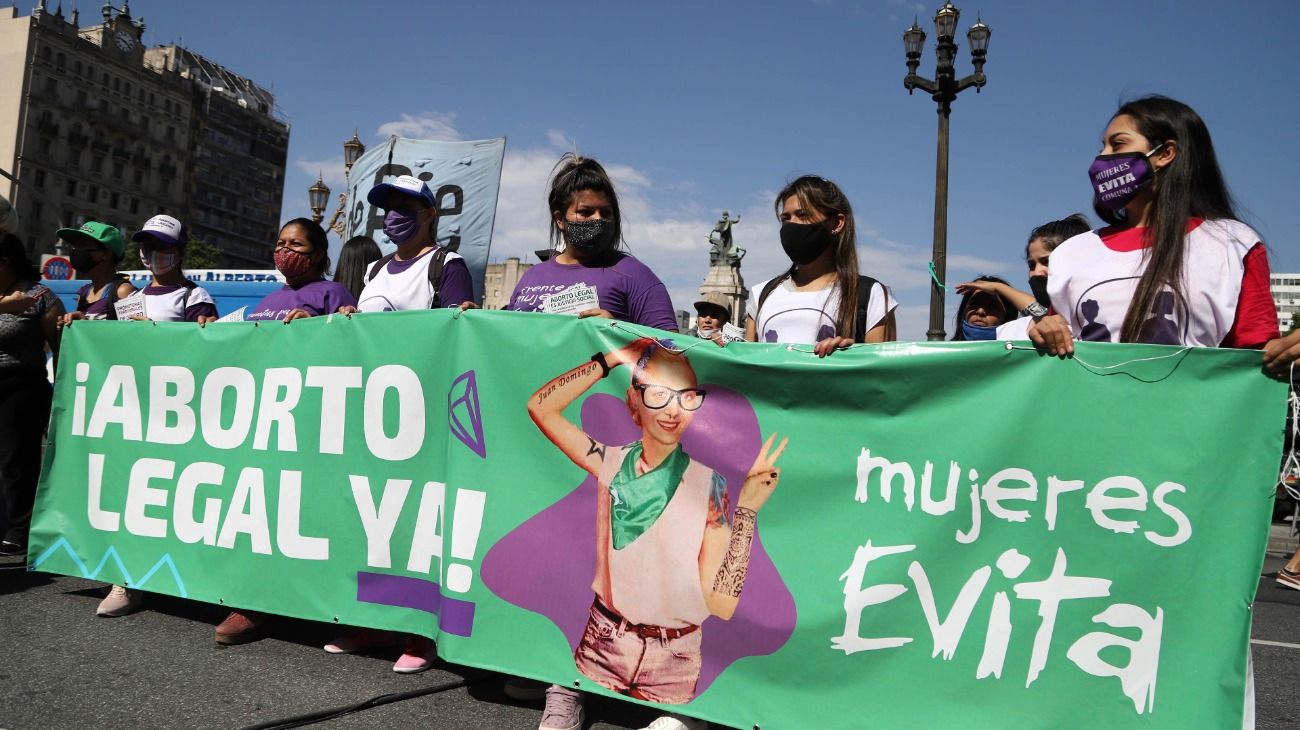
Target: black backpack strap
865 285
112 295
379 264
436 266
185 300
768 288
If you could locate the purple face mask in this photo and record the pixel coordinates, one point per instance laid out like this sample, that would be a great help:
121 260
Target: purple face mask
1116 179
401 226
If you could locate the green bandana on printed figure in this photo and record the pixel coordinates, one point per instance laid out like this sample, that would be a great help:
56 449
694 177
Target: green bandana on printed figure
637 501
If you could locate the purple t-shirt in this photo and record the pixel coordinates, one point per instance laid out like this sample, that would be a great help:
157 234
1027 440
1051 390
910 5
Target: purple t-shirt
99 308
315 298
627 288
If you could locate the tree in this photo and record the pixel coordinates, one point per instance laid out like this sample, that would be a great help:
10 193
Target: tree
1295 322
199 254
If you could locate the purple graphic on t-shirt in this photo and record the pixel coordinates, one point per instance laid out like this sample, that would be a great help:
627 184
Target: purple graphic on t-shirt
463 413
315 298
627 288
546 564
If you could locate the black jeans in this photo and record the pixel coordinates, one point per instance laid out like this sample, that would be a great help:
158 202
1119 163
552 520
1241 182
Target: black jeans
24 414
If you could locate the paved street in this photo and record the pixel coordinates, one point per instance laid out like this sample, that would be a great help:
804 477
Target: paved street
65 668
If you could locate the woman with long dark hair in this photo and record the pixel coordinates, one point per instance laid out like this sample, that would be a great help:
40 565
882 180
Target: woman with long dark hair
1174 266
822 299
354 261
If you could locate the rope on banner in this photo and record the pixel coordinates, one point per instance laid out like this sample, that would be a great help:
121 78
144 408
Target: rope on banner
1101 369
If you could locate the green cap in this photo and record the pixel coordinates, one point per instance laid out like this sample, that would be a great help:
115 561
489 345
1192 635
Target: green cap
95 232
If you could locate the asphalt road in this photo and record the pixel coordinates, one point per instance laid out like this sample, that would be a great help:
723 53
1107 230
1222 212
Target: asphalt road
61 667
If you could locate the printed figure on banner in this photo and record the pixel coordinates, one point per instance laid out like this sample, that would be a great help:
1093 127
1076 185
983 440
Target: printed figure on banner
670 552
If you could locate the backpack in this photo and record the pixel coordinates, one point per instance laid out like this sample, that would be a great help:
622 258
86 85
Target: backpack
112 297
435 273
865 284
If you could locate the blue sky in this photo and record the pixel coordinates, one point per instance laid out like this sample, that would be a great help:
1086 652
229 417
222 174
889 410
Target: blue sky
699 107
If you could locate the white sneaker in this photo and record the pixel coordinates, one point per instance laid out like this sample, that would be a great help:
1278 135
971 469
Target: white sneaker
677 722
120 601
564 709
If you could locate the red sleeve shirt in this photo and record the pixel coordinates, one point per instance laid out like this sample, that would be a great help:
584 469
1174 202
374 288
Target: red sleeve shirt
1256 320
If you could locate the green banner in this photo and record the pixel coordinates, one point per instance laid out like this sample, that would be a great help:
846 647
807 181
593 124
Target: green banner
901 535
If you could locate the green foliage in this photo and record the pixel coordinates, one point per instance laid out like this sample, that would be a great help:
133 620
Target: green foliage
1295 322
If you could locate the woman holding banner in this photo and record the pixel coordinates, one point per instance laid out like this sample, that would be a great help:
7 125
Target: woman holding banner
302 256
1175 266
585 217
603 281
29 314
97 249
821 299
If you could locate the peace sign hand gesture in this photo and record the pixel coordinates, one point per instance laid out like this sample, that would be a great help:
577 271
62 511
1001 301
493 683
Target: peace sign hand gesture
763 476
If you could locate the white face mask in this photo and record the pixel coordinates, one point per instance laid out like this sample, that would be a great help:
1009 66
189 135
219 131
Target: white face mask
159 262
706 332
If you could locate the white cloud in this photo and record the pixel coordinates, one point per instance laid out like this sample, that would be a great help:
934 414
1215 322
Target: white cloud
439 126
330 170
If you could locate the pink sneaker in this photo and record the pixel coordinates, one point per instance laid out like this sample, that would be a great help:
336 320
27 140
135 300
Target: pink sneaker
416 657
360 640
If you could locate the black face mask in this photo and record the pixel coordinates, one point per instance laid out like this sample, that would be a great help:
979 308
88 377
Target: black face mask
804 242
1038 285
82 260
592 237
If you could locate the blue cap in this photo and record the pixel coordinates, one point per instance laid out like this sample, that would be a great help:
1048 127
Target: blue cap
411 187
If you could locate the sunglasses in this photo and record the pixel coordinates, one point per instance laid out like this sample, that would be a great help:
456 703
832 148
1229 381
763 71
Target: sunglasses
659 396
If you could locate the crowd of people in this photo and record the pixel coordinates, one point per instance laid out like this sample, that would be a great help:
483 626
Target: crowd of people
1173 265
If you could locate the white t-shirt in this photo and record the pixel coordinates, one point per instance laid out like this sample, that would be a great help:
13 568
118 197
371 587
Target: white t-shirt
808 317
401 285
168 303
1094 278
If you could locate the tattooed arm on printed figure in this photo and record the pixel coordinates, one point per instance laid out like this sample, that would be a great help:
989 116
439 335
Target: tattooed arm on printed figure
725 552
546 406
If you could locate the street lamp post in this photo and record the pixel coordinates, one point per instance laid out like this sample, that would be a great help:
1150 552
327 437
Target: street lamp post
318 194
943 89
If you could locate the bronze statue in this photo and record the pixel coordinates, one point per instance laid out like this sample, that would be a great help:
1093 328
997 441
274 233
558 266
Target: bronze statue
723 249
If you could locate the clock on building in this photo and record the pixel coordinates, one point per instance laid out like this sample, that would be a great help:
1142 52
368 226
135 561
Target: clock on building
125 41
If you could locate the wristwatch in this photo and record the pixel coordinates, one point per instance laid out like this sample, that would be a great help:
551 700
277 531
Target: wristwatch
1035 310
599 359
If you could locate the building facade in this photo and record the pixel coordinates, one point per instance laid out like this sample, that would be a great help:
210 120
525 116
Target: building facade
97 127
1286 298
499 281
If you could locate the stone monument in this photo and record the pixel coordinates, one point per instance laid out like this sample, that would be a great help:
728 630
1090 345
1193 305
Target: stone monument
724 268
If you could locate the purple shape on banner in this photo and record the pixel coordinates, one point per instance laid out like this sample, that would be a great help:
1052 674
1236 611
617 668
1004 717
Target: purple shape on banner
546 565
454 615
464 415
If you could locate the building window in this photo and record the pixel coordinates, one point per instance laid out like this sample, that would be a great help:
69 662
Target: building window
60 60
118 170
81 98
70 192
93 195
114 200
46 143
38 211
138 176
51 86
39 180
135 206
97 164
